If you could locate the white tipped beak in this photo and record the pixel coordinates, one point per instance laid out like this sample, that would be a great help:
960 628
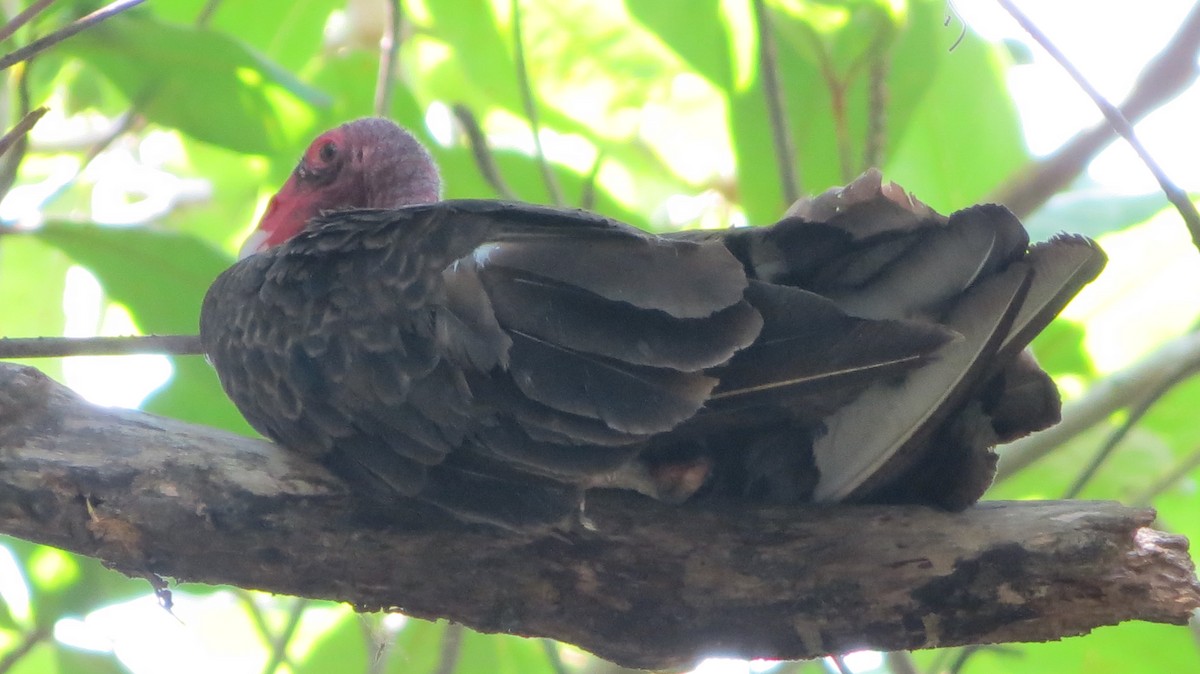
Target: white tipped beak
253 243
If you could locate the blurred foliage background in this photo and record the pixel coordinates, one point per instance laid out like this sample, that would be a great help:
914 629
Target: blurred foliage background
171 124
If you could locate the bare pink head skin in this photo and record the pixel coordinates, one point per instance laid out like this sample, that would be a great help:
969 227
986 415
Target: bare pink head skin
367 163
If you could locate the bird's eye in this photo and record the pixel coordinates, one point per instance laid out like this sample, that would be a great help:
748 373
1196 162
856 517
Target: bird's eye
327 151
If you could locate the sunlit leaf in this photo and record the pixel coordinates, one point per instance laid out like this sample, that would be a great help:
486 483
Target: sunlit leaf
702 40
341 648
41 659
90 586
32 277
204 83
1092 213
74 660
418 647
1132 647
964 138
1060 350
161 277
1139 302
501 654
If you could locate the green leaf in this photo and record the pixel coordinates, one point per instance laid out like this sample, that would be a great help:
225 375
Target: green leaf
418 647
592 75
701 40
88 586
42 659
501 654
32 278
490 71
1130 647
1173 418
290 32
161 277
340 648
1060 350
203 83
1092 213
964 138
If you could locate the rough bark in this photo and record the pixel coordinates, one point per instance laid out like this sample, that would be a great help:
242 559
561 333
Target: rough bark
637 582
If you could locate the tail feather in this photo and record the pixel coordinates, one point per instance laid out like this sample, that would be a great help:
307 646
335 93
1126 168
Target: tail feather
873 438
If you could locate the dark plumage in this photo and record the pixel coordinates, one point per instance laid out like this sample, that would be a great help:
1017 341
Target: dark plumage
498 359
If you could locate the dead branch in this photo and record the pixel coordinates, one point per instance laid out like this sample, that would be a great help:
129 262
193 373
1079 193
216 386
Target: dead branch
637 582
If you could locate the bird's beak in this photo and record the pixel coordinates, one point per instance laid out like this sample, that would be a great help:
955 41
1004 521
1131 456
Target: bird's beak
286 215
256 242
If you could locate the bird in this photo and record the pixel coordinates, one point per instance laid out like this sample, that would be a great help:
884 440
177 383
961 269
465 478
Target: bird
494 361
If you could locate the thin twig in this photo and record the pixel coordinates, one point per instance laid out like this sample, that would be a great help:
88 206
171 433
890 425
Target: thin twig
1171 71
1177 473
587 193
836 85
22 128
877 102
840 664
1179 198
256 615
31 639
14 24
785 148
52 347
485 161
960 661
281 640
900 662
451 648
389 50
530 106
968 652
41 44
380 641
206 13
550 648
130 120
18 138
1136 412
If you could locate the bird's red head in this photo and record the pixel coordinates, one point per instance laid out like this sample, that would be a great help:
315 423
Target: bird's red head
367 163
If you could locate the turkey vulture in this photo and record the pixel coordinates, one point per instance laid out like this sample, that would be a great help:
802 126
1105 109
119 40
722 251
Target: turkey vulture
497 360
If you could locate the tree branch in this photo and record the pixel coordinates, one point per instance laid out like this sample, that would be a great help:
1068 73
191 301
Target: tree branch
1170 72
43 43
14 24
530 105
1172 361
22 128
389 52
638 582
781 136
485 161
51 347
1177 197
